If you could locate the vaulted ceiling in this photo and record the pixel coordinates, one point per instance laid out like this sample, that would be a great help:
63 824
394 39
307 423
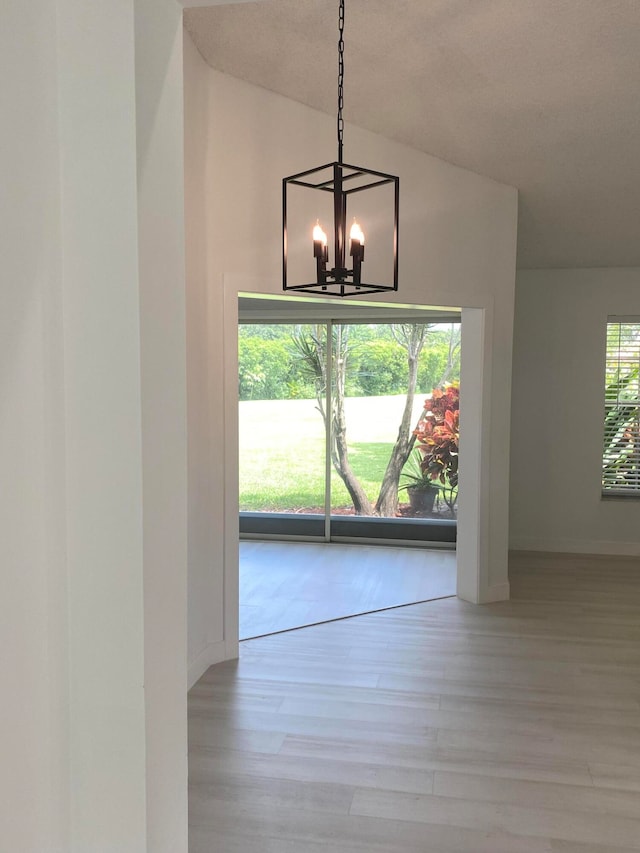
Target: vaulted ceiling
540 94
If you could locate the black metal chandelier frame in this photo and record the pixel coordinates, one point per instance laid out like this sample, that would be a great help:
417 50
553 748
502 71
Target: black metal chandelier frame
340 280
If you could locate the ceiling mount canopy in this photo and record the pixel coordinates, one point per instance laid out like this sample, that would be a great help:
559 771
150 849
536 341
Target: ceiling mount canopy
351 198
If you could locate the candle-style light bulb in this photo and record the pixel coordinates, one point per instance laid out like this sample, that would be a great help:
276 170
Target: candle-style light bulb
319 235
319 243
356 233
356 237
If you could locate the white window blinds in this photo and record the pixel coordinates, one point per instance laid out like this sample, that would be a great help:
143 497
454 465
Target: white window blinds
621 454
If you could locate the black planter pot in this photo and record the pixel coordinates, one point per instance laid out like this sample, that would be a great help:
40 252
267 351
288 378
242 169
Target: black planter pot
421 500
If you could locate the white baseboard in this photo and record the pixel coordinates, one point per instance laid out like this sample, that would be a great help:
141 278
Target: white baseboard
211 654
498 592
578 546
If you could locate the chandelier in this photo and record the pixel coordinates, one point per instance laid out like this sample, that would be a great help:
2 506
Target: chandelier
350 198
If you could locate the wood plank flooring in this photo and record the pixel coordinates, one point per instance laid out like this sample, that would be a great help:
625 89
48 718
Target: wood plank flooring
436 728
286 585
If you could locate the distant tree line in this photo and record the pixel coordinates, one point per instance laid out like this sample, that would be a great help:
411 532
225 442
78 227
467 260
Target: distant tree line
271 366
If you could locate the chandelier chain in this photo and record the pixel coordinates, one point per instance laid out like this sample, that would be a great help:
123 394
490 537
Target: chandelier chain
340 121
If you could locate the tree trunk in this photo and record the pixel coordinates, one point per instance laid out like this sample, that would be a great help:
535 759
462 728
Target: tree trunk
412 338
340 452
454 344
316 357
387 503
361 503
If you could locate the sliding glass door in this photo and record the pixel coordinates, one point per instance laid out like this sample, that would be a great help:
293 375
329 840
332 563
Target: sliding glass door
282 438
371 453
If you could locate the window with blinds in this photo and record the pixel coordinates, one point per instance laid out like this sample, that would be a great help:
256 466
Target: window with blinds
621 453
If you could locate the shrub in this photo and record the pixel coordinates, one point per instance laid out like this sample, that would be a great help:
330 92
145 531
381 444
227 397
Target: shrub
382 368
437 439
264 368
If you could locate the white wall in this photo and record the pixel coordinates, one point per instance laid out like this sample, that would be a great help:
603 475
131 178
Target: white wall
161 266
33 734
92 428
558 410
102 425
204 361
457 247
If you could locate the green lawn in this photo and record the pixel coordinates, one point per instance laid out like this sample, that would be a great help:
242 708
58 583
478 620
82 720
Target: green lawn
282 450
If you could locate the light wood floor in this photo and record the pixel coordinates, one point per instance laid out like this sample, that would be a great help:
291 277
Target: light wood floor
437 728
285 585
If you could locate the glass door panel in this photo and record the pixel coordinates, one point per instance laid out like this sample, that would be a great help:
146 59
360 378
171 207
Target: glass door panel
281 425
384 377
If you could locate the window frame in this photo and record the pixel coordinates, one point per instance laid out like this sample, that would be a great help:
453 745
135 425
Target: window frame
628 353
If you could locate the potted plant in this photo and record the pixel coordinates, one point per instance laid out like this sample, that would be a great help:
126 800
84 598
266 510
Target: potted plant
437 439
419 485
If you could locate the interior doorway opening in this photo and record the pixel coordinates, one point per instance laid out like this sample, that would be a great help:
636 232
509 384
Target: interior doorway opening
336 445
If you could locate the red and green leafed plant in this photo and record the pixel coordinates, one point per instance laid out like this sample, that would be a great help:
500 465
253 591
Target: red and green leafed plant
437 439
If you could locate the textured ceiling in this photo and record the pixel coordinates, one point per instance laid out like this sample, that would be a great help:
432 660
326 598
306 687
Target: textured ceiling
540 94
